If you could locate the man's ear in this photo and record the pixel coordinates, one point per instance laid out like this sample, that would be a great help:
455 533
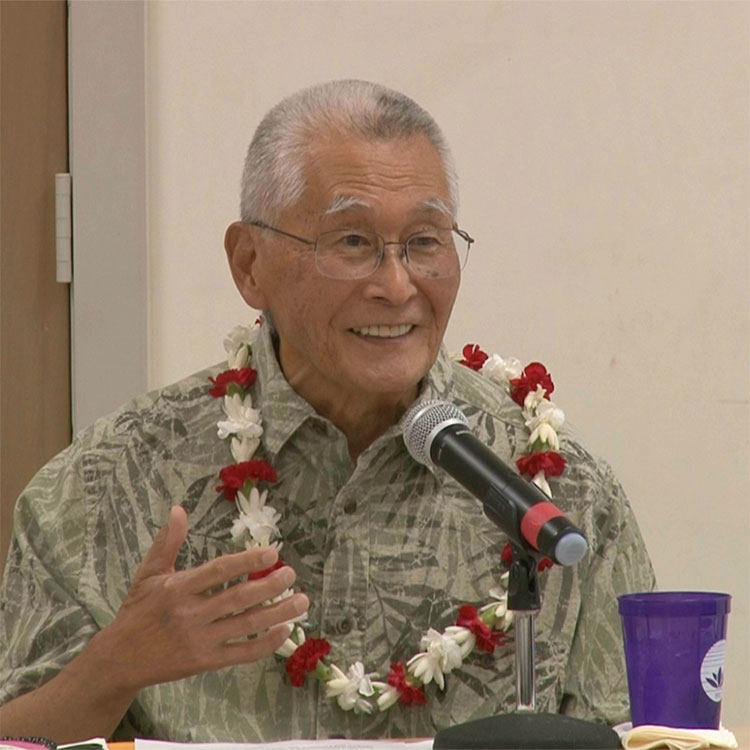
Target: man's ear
242 254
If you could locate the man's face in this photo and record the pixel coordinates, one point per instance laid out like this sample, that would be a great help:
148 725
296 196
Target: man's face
372 338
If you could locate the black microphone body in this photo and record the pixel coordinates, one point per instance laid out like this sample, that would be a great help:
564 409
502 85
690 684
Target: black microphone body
518 506
437 433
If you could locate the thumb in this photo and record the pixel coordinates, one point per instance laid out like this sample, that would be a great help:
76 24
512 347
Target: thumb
162 556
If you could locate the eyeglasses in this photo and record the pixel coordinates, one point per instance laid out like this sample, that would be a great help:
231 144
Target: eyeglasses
356 253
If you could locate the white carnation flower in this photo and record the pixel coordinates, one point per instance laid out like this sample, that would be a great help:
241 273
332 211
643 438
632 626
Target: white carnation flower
388 695
550 413
243 449
504 616
240 359
349 688
540 480
545 423
500 370
463 637
287 648
243 420
236 344
290 645
441 656
534 399
546 434
238 530
256 517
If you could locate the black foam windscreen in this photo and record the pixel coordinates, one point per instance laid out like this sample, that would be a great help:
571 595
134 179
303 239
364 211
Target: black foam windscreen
527 732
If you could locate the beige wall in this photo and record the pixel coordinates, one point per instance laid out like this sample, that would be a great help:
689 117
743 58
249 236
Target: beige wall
603 150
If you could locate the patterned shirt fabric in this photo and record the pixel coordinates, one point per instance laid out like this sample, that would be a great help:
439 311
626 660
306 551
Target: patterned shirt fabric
385 548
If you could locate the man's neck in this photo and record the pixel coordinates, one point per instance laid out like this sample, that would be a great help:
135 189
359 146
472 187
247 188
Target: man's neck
362 419
363 424
363 416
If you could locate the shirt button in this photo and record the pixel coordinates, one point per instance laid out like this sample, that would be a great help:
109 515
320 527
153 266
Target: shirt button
344 626
350 506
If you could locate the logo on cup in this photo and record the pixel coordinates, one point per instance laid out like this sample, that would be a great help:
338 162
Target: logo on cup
712 670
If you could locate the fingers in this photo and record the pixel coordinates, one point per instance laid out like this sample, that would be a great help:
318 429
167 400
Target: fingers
258 619
161 558
247 594
221 570
252 650
177 529
216 614
162 555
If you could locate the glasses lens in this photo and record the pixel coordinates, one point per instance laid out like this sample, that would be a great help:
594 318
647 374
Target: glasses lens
437 253
355 253
347 253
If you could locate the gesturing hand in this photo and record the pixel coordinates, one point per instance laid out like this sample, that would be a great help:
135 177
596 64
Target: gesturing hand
174 624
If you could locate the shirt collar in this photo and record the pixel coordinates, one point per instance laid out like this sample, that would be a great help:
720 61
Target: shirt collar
284 410
438 384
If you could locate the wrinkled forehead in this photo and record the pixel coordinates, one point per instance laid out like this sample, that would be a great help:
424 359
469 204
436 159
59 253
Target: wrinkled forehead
352 175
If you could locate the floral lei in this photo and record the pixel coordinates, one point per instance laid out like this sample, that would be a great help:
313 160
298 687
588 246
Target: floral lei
256 525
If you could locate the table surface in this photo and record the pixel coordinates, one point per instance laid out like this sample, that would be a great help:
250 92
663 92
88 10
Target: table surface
741 733
743 737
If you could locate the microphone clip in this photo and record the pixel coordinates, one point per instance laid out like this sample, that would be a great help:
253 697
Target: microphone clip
523 582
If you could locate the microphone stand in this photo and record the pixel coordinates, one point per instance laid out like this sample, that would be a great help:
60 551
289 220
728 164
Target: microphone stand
525 602
525 729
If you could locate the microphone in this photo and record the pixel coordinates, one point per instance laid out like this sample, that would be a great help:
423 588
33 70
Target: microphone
437 433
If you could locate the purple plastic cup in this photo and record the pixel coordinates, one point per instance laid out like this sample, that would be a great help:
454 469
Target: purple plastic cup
675 643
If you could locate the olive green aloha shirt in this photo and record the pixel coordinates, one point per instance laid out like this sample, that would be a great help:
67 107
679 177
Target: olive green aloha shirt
385 548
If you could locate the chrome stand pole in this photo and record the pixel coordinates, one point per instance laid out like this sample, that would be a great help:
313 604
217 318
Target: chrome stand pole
525 660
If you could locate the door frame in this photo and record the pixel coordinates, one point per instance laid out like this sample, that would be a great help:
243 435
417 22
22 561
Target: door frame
35 415
109 296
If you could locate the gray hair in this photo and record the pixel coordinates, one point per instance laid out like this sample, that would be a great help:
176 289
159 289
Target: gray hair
273 177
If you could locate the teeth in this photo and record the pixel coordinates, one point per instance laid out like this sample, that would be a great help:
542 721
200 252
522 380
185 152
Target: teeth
386 332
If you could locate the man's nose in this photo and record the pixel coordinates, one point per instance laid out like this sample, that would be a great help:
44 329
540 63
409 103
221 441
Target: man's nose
392 279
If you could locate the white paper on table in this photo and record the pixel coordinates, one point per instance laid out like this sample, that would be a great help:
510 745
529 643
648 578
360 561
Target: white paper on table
388 744
100 741
651 737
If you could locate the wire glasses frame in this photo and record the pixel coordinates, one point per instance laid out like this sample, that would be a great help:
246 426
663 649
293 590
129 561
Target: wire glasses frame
339 260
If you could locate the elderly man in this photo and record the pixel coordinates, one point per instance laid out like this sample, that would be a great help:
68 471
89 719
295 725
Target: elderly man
349 244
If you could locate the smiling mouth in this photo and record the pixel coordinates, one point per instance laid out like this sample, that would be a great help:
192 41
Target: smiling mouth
384 332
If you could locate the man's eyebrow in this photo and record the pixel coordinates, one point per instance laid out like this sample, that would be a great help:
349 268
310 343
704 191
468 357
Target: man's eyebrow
435 204
343 203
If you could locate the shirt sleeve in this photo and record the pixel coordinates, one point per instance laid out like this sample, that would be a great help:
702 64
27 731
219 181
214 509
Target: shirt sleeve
596 682
43 624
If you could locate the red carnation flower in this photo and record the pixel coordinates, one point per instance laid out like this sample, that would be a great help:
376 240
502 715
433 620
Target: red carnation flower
474 357
407 693
243 378
263 573
305 659
544 563
550 462
507 557
234 476
487 639
535 374
507 554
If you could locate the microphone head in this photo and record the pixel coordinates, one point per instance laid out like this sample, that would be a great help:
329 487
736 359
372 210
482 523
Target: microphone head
423 421
570 549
